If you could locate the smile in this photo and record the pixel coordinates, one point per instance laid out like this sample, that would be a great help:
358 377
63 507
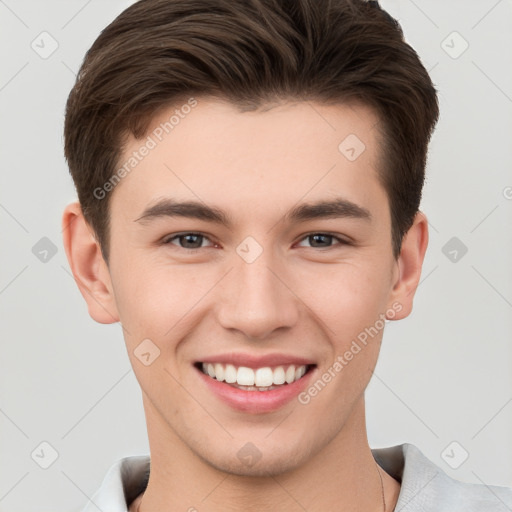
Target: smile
258 379
255 385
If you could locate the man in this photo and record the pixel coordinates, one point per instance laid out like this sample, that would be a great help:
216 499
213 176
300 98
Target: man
249 175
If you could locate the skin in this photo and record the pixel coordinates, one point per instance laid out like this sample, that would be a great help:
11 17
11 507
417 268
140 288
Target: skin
298 297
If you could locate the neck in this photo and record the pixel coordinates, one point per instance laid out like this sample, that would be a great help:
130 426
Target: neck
343 476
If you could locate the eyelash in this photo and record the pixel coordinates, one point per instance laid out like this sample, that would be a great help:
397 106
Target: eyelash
340 241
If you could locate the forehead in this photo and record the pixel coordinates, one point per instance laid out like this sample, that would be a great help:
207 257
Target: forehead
212 151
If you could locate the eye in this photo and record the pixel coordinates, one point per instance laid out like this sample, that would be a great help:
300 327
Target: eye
187 240
324 240
194 241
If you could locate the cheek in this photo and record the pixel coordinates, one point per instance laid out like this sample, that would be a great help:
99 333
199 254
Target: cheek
347 297
141 298
155 301
349 302
153 305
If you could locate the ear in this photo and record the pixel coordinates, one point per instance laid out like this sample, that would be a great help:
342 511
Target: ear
409 265
89 269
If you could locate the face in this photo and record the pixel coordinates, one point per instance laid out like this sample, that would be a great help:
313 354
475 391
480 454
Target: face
282 266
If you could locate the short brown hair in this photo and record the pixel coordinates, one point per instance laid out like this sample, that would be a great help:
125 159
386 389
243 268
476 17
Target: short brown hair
249 52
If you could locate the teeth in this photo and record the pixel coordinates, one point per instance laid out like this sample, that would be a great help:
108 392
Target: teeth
279 375
245 376
254 388
219 372
230 374
290 374
261 379
299 372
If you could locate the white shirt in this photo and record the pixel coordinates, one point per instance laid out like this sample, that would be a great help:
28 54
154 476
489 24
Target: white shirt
424 486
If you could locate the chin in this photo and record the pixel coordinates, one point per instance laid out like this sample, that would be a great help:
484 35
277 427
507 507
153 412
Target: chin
277 465
250 461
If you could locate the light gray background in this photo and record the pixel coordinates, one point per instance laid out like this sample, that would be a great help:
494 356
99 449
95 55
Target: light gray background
444 373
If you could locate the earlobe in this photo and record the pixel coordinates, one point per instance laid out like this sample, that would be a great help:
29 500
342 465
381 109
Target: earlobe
88 266
409 264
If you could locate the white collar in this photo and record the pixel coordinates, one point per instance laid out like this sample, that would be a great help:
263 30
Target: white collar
424 486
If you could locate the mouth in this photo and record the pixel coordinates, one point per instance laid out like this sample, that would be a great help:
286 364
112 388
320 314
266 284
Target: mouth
265 378
255 389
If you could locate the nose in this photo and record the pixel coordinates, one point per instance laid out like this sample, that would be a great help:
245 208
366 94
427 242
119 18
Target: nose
257 299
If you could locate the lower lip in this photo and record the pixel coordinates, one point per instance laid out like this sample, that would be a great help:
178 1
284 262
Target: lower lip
256 402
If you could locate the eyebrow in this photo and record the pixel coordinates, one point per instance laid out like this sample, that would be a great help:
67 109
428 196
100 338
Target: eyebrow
326 209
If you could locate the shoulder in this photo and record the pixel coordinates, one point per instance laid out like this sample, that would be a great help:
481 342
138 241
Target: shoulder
426 487
124 481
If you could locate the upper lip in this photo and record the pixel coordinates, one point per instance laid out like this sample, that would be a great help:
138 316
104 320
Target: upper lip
254 361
